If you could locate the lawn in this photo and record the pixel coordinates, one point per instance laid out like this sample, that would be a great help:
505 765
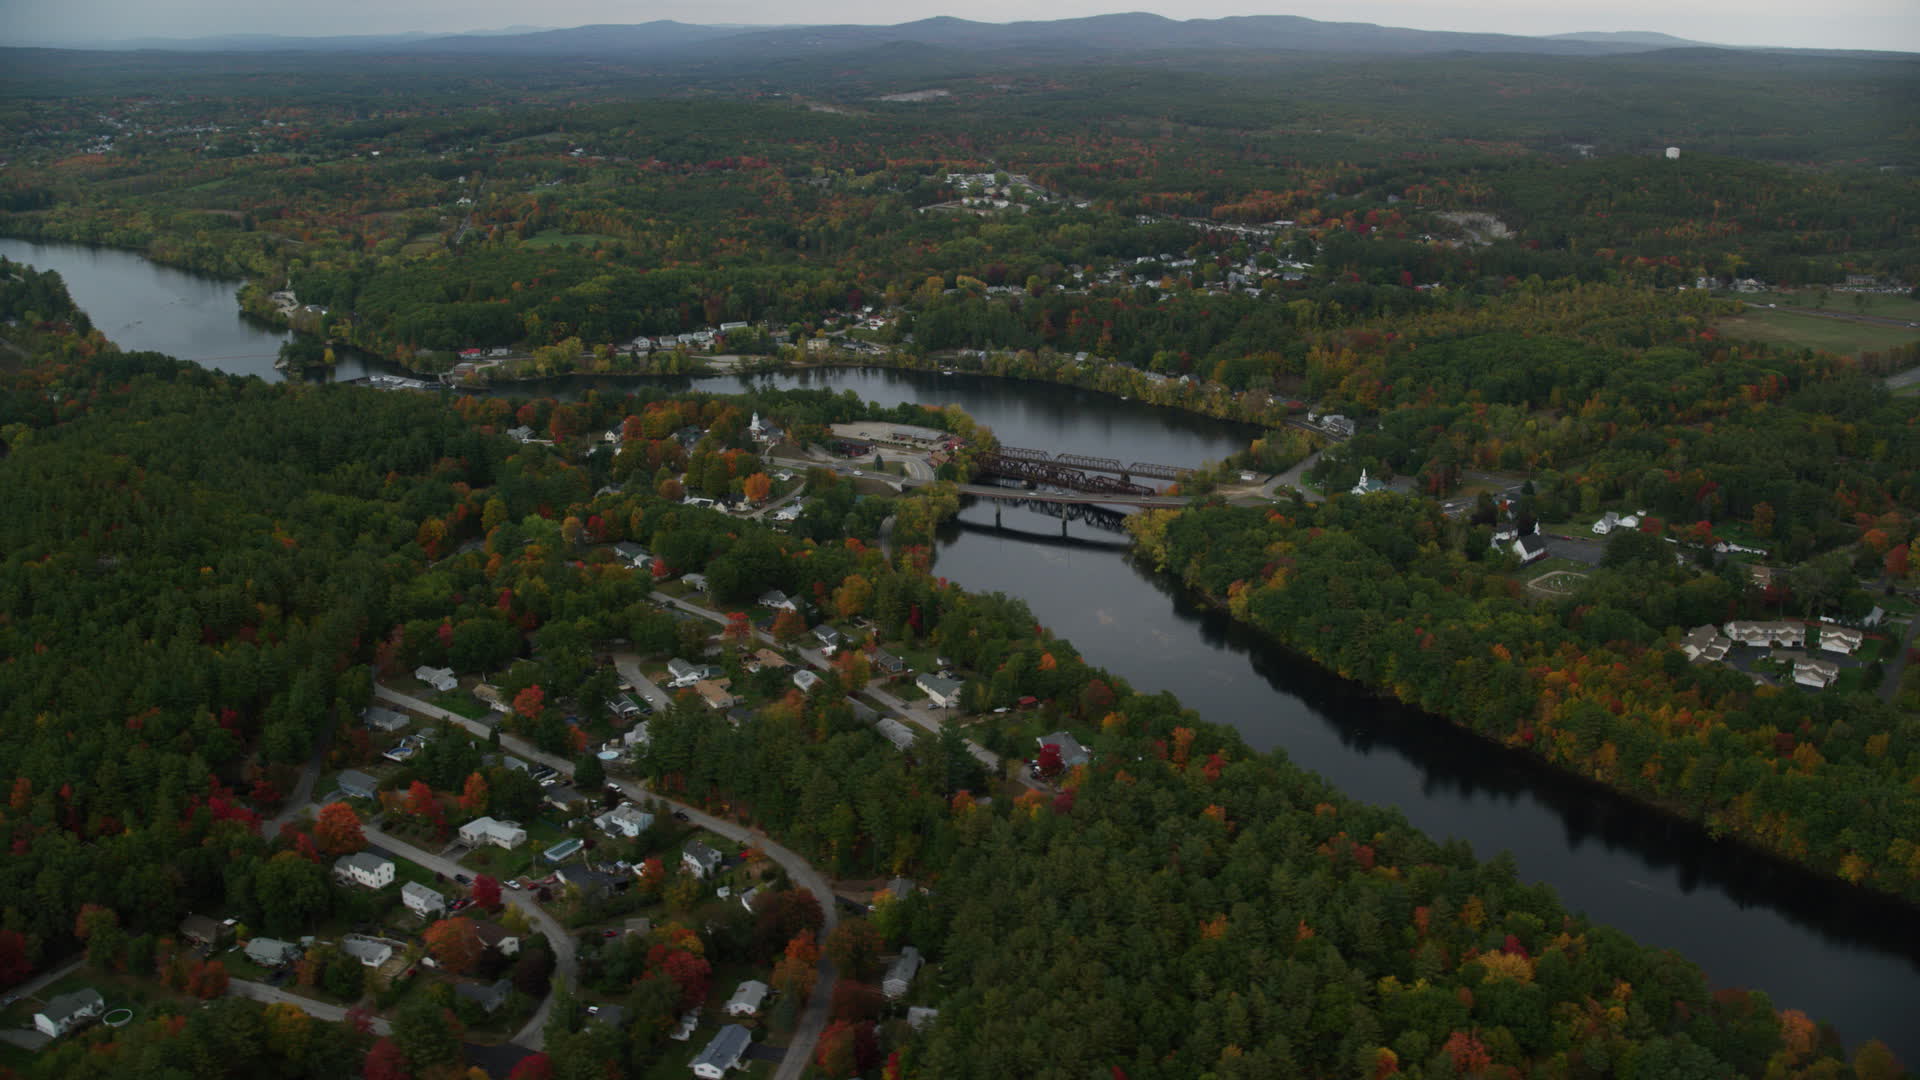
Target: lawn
1815 332
461 702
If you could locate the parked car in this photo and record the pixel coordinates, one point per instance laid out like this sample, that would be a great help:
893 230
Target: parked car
463 879
681 815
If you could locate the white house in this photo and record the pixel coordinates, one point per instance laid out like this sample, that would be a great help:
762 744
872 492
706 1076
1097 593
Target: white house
774 598
829 638
364 868
941 691
723 1053
356 784
625 820
805 680
1529 549
271 952
380 719
633 555
895 732
700 859
421 900
747 998
1706 644
1781 633
371 952
486 830
68 1011
1367 485
1840 639
684 673
1818 674
684 1030
900 973
438 678
697 581
1607 523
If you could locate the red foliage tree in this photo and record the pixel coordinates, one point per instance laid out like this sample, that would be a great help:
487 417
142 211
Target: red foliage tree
486 892
1048 764
386 1062
529 702
738 631
454 944
337 831
846 1049
14 964
857 1001
692 974
535 1067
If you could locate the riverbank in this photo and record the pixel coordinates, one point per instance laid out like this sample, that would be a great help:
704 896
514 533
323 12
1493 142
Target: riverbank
1699 746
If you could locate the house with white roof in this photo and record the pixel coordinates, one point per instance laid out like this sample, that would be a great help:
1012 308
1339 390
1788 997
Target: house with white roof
700 859
364 868
486 830
747 998
942 691
900 973
421 900
371 952
625 820
1840 639
439 678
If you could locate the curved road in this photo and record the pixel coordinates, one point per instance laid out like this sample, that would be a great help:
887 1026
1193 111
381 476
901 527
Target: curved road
812 1021
319 1010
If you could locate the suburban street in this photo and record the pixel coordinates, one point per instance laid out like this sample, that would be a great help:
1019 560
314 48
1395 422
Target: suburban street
812 1021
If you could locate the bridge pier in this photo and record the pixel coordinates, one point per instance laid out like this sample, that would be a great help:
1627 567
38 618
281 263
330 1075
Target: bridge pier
1063 523
996 513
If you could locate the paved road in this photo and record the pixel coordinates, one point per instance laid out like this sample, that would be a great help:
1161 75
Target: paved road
295 806
1295 478
812 1021
628 665
1897 663
34 985
319 1010
566 967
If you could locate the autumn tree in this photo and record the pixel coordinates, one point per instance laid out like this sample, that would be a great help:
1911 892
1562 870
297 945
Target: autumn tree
473 796
337 830
855 947
533 1067
779 916
738 631
529 702
386 1061
15 962
857 1001
486 892
428 1034
1048 764
757 487
847 1048
454 944
788 626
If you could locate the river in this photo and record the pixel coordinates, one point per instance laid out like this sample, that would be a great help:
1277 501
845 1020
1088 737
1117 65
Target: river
1746 920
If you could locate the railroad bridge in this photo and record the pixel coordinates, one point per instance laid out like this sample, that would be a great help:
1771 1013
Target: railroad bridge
1077 472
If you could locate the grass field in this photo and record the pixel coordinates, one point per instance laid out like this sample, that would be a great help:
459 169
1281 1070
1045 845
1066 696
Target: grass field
1814 332
556 238
1892 307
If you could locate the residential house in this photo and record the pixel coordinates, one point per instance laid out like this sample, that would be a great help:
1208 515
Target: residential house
592 884
1705 644
486 830
439 678
747 999
684 1030
364 868
1761 576
204 932
684 673
828 638
633 555
774 598
495 937
1816 674
886 662
1071 752
700 859
1608 522
939 689
717 693
421 900
358 785
1840 639
1529 549
723 1053
789 512
747 898
900 973
371 952
696 581
271 952
806 680
895 732
919 1016
561 797
740 715
900 888
523 434
767 658
1782 633
625 820
68 1011
387 720
489 998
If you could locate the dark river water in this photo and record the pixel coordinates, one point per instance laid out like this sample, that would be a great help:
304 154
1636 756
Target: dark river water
1746 920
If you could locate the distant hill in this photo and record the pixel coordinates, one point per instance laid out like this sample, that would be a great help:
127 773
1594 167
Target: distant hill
1648 38
1135 32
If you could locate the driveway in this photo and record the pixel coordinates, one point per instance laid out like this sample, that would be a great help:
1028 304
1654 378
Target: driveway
1897 663
628 665
295 806
319 1010
1295 478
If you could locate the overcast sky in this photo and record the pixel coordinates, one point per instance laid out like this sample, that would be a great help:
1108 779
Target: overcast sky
1839 24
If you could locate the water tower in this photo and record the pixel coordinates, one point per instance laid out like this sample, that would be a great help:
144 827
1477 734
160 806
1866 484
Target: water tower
1673 153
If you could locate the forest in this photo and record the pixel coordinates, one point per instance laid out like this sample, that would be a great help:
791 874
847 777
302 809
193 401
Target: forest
1180 907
